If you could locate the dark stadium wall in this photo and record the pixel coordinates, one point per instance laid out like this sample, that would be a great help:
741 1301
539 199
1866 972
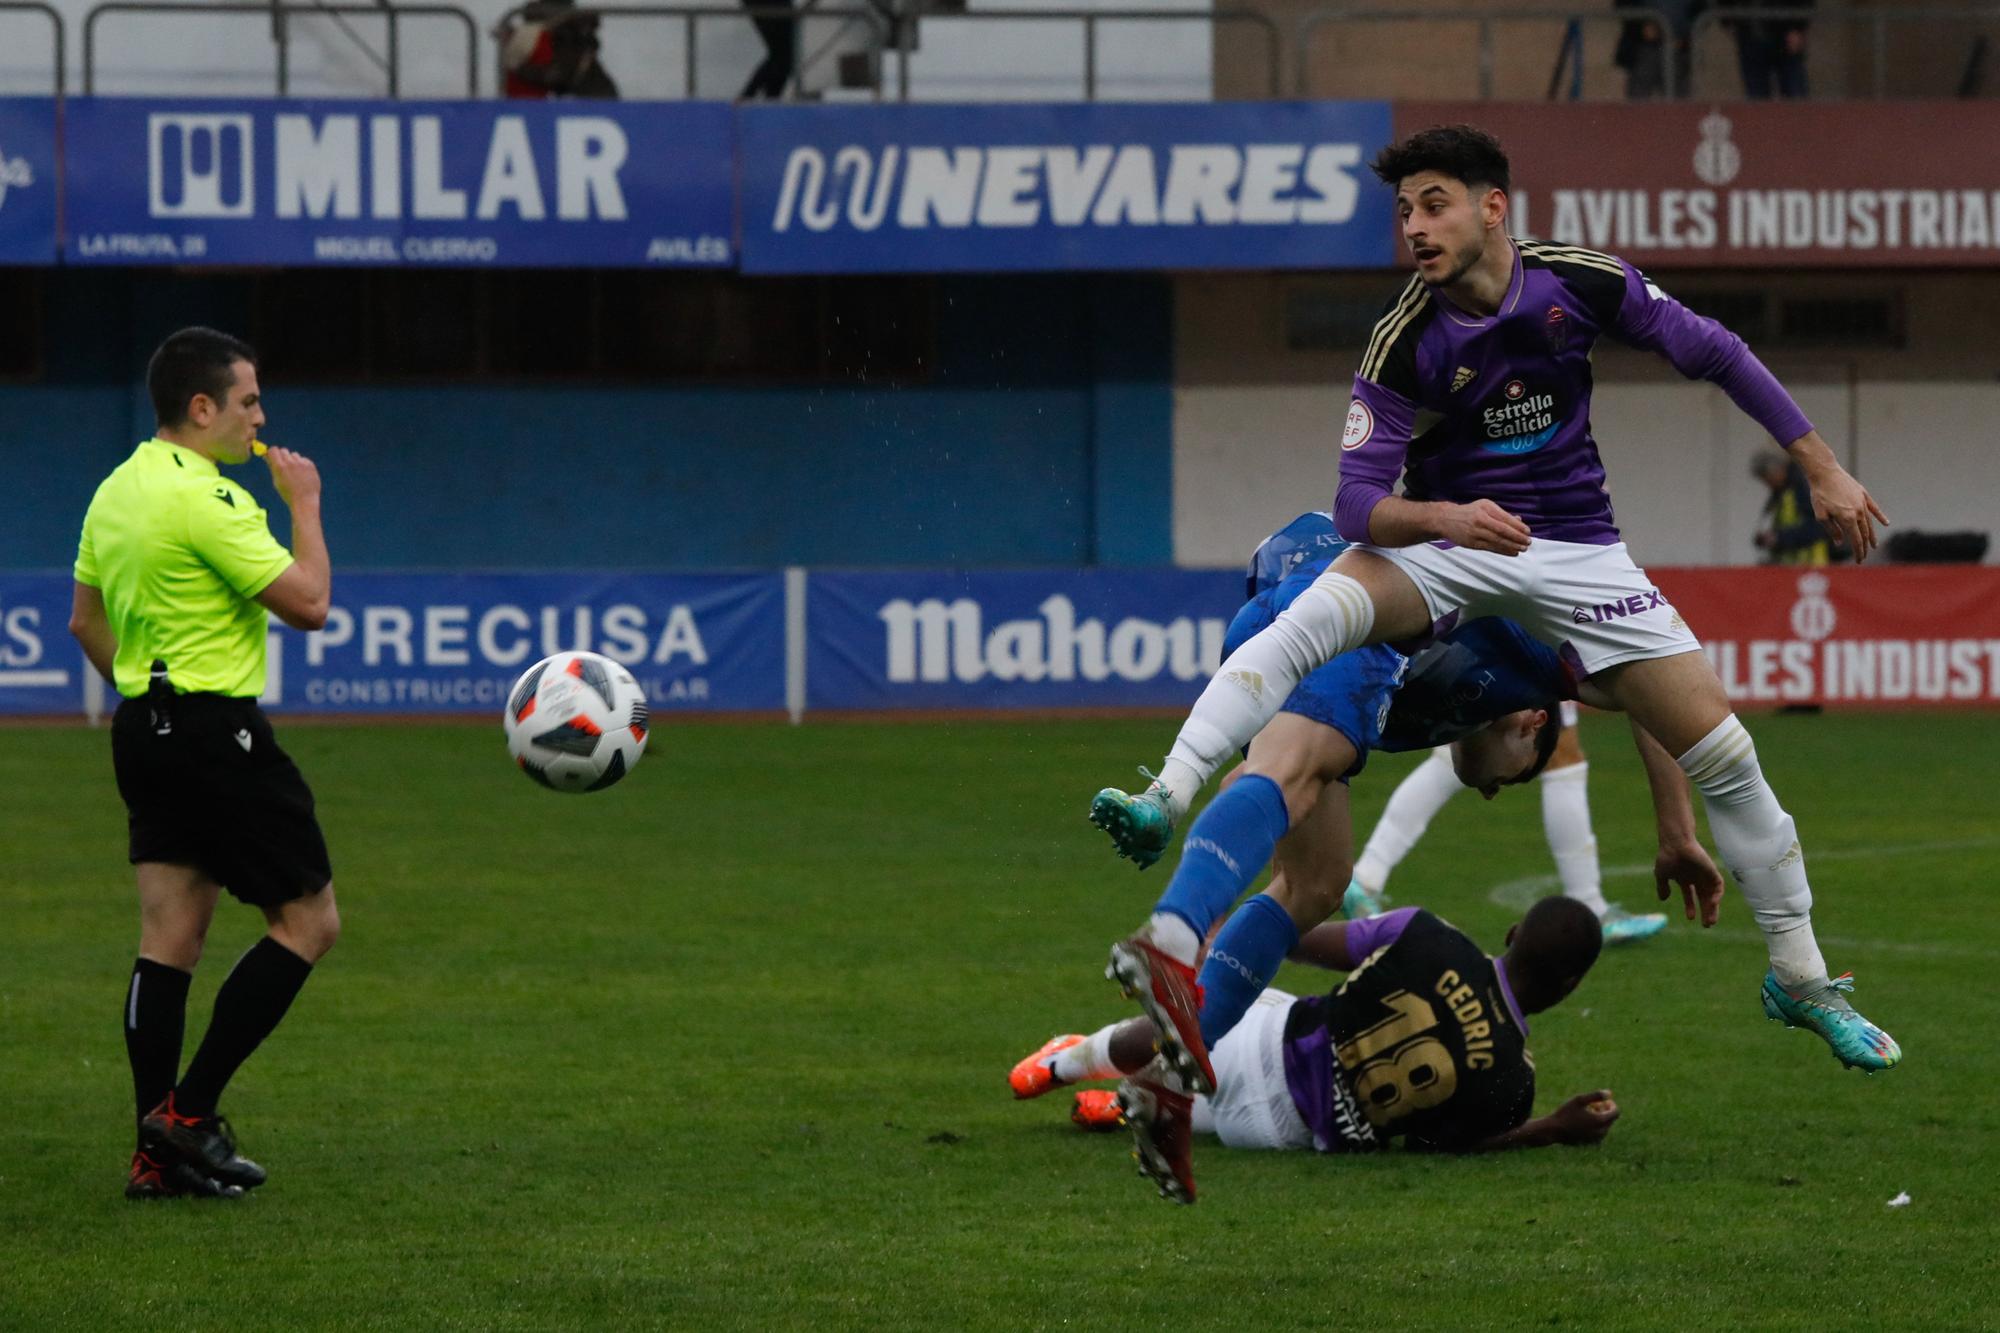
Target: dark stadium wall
1042 437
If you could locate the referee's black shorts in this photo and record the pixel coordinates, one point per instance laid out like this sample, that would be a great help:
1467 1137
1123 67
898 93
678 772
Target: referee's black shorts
216 792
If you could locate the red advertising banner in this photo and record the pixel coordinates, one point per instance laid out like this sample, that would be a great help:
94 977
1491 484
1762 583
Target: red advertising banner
1750 185
1914 636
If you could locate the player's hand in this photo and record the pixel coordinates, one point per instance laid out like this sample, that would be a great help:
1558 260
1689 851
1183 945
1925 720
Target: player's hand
1688 865
1844 507
1586 1118
294 475
1484 526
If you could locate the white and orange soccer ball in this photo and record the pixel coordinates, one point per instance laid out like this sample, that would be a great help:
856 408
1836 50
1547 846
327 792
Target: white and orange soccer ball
576 722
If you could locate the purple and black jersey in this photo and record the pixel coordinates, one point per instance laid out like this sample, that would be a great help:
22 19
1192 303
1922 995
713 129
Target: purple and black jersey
1466 407
1423 1040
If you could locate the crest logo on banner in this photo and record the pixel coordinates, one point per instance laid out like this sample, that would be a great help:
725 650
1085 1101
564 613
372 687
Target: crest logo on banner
1717 160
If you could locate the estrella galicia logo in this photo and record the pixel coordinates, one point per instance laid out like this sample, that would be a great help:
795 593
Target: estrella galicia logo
15 172
201 165
1522 422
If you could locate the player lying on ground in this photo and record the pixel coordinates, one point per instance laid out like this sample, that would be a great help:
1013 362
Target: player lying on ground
1486 689
1565 822
1475 388
1426 1040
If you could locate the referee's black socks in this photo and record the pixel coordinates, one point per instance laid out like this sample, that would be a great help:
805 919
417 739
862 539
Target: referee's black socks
252 1000
155 1017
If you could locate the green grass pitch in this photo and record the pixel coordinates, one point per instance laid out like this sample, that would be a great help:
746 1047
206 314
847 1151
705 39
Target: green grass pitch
725 1048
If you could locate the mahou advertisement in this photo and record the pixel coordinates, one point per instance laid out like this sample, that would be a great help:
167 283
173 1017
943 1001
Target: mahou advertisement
1758 185
1922 636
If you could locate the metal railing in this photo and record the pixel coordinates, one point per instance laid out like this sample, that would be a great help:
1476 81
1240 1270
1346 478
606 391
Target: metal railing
1877 22
278 12
58 34
1316 22
1090 19
691 15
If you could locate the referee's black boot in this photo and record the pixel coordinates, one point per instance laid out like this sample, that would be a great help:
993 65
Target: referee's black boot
158 1174
204 1142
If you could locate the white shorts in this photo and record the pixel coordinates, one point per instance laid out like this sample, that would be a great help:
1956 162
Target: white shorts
1590 603
1252 1106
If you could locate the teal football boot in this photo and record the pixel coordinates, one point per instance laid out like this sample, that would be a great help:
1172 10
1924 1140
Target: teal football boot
1141 826
1357 904
1857 1043
1623 927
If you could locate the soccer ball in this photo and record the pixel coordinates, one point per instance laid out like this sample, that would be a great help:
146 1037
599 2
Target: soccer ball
576 722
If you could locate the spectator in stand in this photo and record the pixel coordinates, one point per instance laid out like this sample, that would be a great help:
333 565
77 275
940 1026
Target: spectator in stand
548 48
1644 49
1788 534
1772 52
781 44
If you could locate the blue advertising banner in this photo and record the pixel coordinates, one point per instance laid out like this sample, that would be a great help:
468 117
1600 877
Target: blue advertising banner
258 181
41 667
927 188
28 180
429 643
1106 638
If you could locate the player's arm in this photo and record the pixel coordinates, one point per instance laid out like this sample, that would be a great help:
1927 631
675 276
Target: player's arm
303 594
1702 349
1681 859
1339 946
1373 447
92 628
1581 1121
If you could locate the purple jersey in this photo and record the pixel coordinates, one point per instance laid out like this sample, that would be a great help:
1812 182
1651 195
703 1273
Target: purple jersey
1424 1040
1498 408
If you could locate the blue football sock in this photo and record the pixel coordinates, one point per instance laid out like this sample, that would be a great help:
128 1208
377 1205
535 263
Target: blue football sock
1246 955
1224 851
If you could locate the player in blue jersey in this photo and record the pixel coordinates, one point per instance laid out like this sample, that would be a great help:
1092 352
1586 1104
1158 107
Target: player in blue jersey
1425 1041
1475 390
1429 787
1485 689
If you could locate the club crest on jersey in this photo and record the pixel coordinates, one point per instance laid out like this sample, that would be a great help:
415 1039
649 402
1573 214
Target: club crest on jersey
1556 326
1360 425
1463 376
1523 421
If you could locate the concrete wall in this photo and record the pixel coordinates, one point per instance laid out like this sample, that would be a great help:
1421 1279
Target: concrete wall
1255 425
1043 438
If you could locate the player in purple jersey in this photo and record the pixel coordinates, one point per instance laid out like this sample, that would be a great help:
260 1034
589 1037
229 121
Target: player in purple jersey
1475 389
1426 1040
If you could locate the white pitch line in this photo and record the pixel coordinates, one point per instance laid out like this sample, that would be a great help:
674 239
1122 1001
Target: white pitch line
1520 894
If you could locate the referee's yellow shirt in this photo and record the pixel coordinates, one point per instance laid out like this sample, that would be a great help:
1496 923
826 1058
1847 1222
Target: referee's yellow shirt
180 552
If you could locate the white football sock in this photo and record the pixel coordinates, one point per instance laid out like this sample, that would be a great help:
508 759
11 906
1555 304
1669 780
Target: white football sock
1174 937
1088 1059
1411 807
1329 618
1566 822
1759 843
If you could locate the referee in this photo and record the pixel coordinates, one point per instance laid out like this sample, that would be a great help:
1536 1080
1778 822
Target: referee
174 575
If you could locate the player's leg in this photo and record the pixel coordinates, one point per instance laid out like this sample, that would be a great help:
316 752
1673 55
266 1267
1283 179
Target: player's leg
1315 857
1572 842
1682 703
176 905
1112 1051
1290 764
1363 598
1412 806
270 854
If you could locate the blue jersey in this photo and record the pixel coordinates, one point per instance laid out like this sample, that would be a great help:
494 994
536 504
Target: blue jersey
1382 699
1307 538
